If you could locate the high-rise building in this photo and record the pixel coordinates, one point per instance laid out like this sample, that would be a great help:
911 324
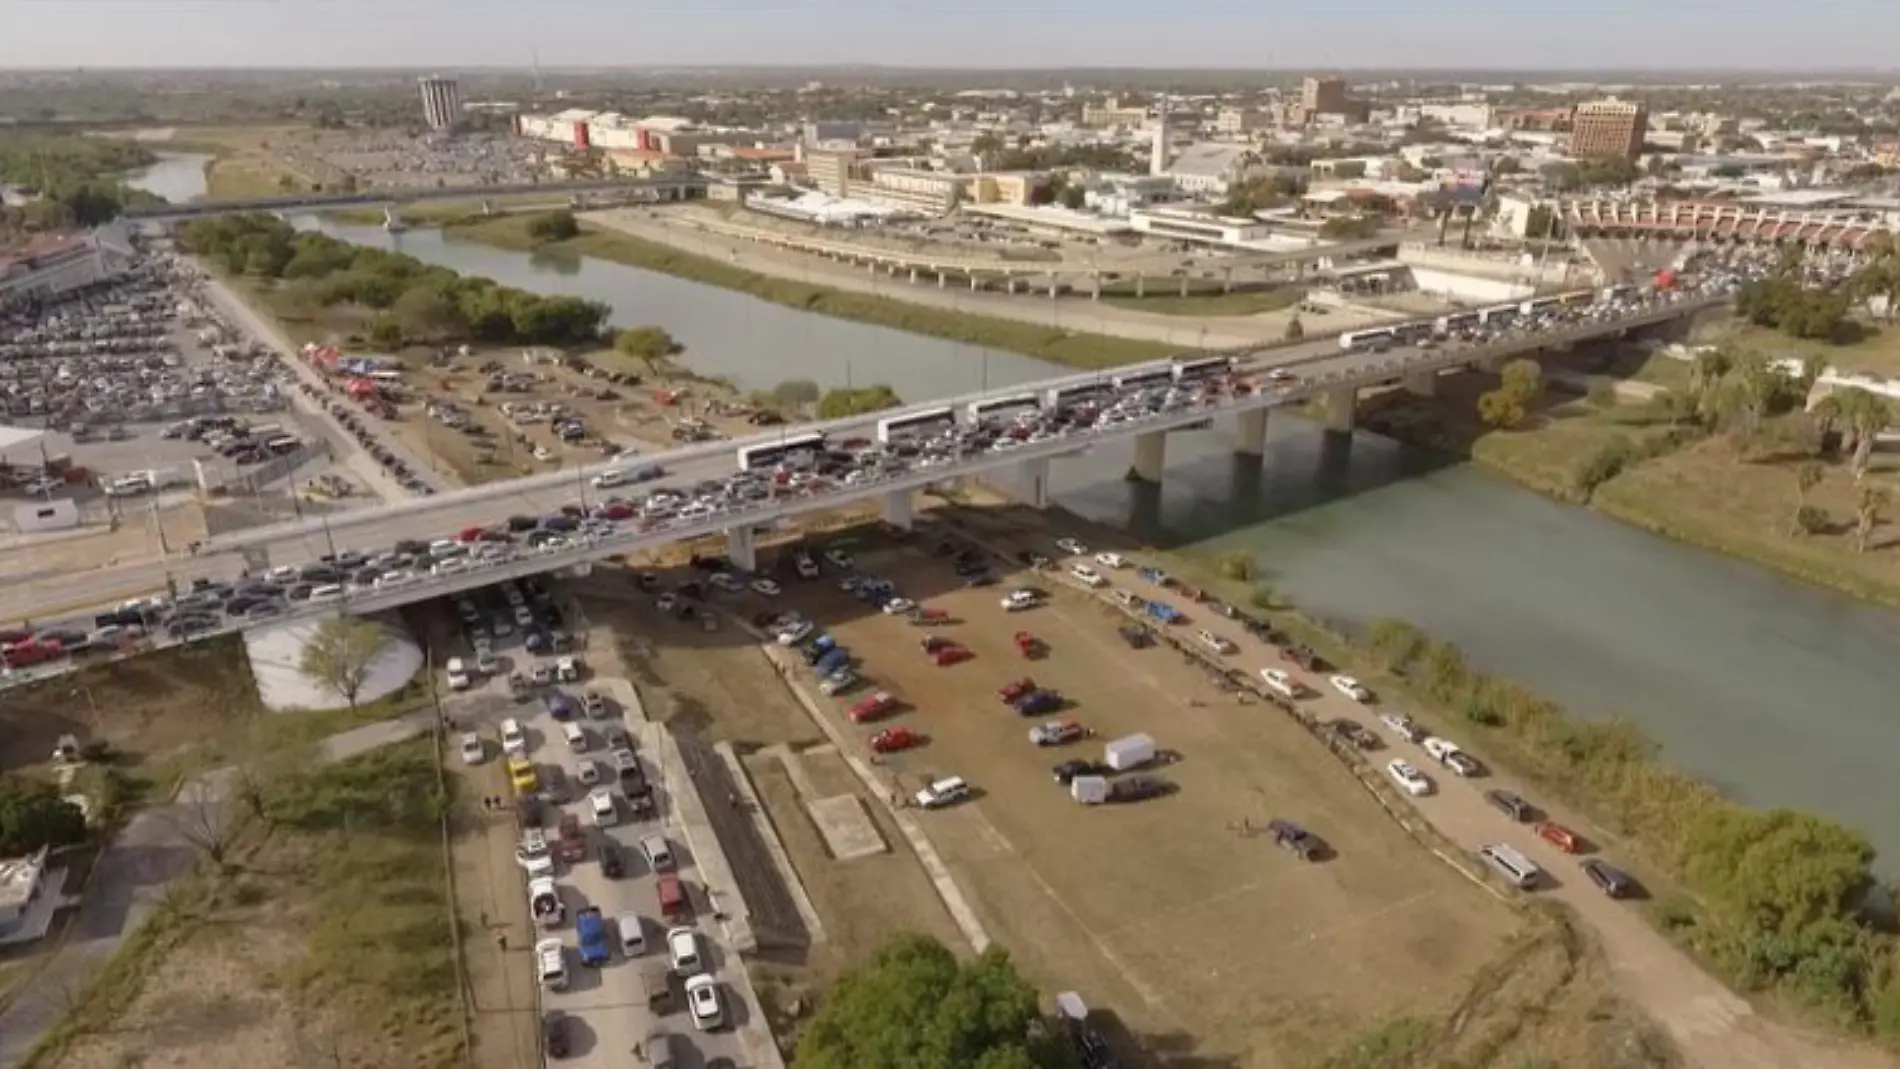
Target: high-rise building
441 102
1158 160
1323 96
1608 128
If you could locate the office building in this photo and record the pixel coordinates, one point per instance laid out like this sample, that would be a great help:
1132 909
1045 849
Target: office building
1328 96
441 102
1111 113
1237 122
930 193
831 169
1608 128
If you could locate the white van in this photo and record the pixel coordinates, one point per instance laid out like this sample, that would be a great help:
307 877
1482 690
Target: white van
633 935
1511 864
514 741
550 958
576 738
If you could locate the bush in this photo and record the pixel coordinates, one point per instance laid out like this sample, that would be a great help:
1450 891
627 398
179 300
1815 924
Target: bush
1240 567
33 815
837 404
1812 519
554 226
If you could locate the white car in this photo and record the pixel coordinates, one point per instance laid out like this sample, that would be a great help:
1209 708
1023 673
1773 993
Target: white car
567 669
838 558
1018 600
703 1001
807 568
1402 726
1216 643
766 587
1072 547
1439 749
793 634
898 606
1111 560
727 582
633 934
532 854
473 749
682 947
1281 682
944 792
600 801
1409 779
458 674
1088 576
666 602
1351 688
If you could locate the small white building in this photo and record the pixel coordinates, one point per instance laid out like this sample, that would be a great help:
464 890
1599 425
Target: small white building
1212 170
1204 228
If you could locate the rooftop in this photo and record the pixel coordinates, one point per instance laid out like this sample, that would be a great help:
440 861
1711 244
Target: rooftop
19 878
16 437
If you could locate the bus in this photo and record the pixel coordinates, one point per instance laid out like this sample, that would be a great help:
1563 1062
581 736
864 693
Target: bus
915 424
980 410
1496 314
1456 321
1135 378
1370 338
1188 370
1538 304
1616 293
773 453
1064 396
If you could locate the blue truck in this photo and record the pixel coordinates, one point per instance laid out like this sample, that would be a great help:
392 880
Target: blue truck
591 928
1164 612
835 658
1038 702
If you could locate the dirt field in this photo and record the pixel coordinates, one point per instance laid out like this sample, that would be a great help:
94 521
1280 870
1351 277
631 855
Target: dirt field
322 942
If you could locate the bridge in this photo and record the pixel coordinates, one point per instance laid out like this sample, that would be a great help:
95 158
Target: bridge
1718 220
1031 276
659 188
1326 374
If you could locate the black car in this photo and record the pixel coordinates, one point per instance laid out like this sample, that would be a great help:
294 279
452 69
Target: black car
1296 840
1511 805
1137 637
554 1034
1138 789
1355 733
1066 772
1609 879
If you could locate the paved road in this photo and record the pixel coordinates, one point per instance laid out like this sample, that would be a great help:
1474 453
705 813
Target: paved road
1713 1027
129 880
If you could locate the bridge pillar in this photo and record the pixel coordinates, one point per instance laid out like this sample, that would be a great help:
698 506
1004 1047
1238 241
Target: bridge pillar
741 549
974 284
1141 286
1184 285
1421 384
943 279
898 511
1035 483
1250 434
1009 285
1338 405
1095 288
1227 280
1055 288
913 276
1151 456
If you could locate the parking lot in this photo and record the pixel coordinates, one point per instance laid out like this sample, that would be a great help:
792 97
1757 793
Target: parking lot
599 1012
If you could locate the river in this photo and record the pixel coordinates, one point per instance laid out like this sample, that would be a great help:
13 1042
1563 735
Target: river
177 176
1779 692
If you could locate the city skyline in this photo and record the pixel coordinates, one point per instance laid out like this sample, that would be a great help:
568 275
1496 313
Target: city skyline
1662 35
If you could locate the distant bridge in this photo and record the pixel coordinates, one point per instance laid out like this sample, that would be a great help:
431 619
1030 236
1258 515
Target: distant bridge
1718 220
673 187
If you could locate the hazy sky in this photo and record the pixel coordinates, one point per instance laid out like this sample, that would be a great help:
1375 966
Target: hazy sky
1289 34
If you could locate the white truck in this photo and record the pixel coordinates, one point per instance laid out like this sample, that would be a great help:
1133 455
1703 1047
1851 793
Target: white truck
1129 751
544 901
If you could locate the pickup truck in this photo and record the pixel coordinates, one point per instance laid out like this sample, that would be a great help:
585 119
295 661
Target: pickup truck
590 928
571 846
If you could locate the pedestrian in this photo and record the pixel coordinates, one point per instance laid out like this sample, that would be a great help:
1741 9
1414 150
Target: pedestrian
501 940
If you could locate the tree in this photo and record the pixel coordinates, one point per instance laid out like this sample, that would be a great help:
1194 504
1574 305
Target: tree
1074 198
1524 379
837 404
1867 515
649 345
204 817
1807 476
795 395
1240 567
1349 227
1777 872
425 311
339 655
34 814
916 1007
1295 330
1866 415
1500 408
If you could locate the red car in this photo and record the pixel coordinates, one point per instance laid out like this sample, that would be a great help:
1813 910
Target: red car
617 510
949 655
1015 690
933 643
876 707
891 740
1030 646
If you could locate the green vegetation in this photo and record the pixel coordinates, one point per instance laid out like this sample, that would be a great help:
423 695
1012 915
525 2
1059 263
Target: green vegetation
1594 173
406 301
1031 339
554 226
861 401
1506 406
914 1006
1349 227
1261 194
77 176
652 346
33 814
338 657
793 396
1784 304
1398 1044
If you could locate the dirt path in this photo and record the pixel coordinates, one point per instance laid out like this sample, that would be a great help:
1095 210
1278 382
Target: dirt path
1712 1026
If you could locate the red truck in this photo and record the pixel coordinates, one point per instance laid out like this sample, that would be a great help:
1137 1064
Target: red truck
1014 690
571 847
31 652
1031 647
951 654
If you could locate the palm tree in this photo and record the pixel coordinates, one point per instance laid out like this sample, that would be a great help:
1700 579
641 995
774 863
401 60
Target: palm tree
1881 277
1867 415
1827 417
1867 515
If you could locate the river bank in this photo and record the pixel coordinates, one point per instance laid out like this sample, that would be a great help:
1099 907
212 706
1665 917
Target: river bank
1634 463
1089 351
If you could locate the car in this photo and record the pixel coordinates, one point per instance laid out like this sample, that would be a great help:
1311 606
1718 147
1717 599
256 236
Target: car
682 950
1351 688
657 851
1111 560
795 632
1438 748
839 559
588 772
1019 600
942 793
892 740
1138 789
554 1037
1465 765
1409 779
838 682
633 935
541 675
766 587
567 669
458 674
1354 734
704 1003
874 707
521 773
533 855
1057 733
1088 576
1608 878
473 749
1215 642
595 705
1403 726
1072 547
898 606
1291 837
600 801
1512 805
1281 682
1065 772
807 568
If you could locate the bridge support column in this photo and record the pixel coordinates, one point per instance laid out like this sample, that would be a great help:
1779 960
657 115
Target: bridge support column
1250 434
1422 384
943 280
1141 286
1095 288
913 276
973 283
1055 288
1338 405
1151 457
1227 280
1184 285
898 509
1009 285
741 550
1035 483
